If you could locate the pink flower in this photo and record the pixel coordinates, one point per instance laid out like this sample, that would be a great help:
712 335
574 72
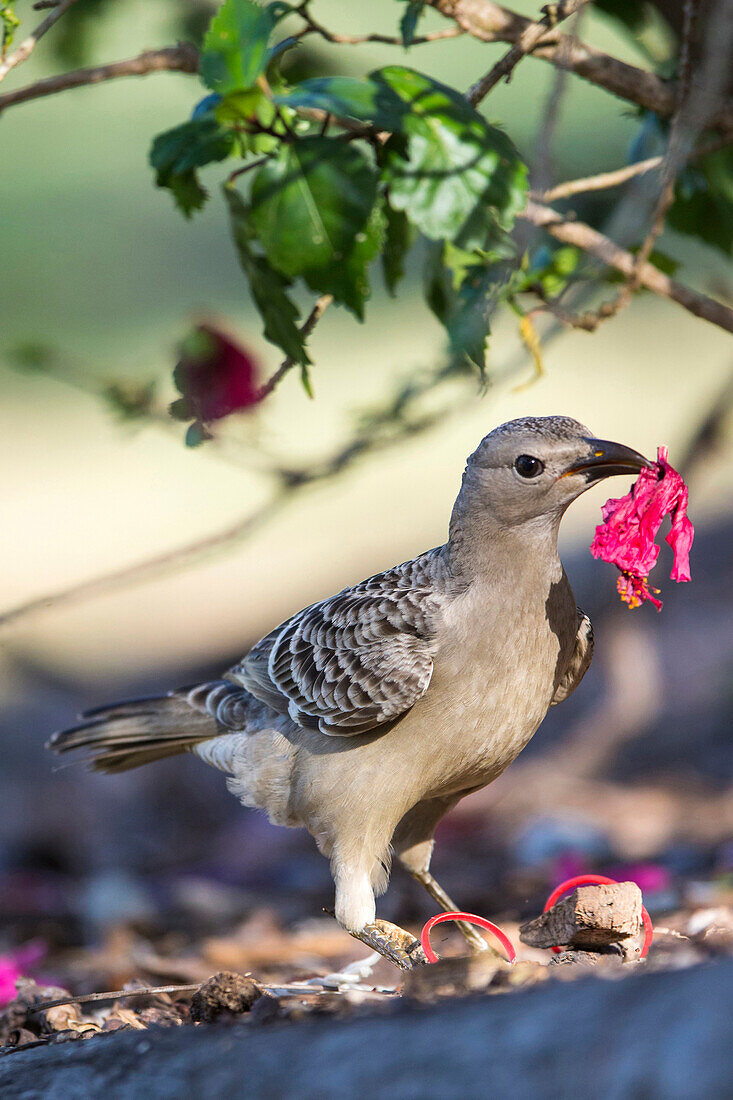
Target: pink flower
630 525
216 377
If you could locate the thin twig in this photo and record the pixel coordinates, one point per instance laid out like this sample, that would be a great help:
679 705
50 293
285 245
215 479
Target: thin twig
541 166
380 430
489 22
674 157
312 26
305 330
182 59
672 161
605 180
26 48
528 40
602 181
113 995
589 240
151 567
247 168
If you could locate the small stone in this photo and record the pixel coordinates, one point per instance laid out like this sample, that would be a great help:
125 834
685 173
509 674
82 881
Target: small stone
226 994
574 963
21 1036
67 1036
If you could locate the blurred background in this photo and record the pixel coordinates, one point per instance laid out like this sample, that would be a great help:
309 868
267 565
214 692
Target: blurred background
632 773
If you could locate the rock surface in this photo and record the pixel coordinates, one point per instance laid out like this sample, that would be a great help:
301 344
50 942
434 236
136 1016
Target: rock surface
663 1035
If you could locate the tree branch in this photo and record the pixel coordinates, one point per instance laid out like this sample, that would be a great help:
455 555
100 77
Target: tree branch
528 40
595 244
183 58
490 22
26 48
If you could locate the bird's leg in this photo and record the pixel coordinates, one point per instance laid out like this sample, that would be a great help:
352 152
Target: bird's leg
413 846
436 891
355 912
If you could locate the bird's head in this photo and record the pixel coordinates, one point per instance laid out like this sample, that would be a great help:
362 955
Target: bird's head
536 466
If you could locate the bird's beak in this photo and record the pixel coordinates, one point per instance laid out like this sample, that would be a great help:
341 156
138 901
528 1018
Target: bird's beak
605 459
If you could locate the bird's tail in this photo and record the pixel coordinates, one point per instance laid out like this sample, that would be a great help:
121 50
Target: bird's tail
126 735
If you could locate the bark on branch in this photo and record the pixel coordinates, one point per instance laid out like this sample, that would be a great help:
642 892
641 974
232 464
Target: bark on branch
528 41
183 58
490 22
595 244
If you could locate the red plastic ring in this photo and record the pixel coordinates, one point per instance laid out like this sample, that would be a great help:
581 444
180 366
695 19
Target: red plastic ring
600 880
469 918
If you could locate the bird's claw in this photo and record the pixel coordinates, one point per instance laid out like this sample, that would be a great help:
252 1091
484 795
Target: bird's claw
393 943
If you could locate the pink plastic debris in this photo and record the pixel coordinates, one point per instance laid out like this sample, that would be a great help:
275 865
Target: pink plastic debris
16 965
469 918
630 525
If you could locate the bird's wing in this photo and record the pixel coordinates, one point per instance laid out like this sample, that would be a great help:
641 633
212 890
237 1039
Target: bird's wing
355 661
252 673
579 662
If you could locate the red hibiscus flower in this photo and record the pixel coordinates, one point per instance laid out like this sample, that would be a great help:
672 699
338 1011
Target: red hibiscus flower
216 377
630 525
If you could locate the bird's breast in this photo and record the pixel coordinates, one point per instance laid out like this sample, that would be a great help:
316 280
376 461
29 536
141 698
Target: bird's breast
494 677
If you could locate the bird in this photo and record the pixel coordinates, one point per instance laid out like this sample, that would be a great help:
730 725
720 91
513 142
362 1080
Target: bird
366 717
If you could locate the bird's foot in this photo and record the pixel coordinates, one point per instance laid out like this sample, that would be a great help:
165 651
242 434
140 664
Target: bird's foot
353 974
393 943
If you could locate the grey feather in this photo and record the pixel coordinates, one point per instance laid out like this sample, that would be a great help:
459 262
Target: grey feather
357 661
125 735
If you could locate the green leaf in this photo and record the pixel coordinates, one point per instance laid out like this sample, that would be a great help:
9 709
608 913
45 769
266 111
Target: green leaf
633 15
551 269
365 100
309 203
409 21
397 241
464 300
455 176
176 154
247 107
348 280
703 205
278 311
236 45
9 23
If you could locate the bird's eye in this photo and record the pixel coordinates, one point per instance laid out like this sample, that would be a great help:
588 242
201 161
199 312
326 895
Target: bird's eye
528 466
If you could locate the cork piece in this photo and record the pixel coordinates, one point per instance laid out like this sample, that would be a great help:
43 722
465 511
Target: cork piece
592 916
